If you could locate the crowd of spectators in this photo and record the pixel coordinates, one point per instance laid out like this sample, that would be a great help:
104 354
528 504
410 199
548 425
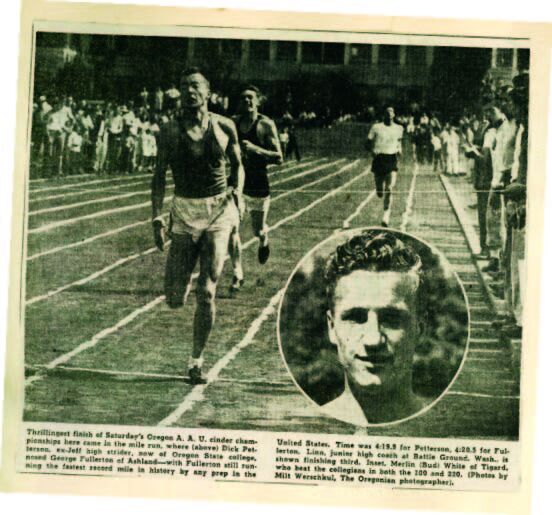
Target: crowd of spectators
72 136
488 147
499 153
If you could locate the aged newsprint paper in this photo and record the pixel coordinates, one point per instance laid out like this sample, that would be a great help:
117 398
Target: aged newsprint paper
276 257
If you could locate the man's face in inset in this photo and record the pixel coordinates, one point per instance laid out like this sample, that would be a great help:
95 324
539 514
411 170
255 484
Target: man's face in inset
194 90
373 324
249 101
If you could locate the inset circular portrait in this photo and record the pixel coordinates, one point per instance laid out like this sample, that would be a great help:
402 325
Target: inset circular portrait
373 326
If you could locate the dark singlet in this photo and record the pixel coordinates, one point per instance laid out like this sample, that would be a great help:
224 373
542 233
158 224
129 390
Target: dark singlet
256 177
196 176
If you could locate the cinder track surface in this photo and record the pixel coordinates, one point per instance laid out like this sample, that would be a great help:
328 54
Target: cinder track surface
101 346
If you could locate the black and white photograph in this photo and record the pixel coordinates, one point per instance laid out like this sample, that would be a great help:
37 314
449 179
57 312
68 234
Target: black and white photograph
174 182
258 252
374 326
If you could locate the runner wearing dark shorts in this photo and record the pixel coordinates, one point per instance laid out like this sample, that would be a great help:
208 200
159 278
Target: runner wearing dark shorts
260 147
384 140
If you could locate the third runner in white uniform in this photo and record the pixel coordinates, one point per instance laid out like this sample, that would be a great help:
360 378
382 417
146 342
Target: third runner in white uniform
384 140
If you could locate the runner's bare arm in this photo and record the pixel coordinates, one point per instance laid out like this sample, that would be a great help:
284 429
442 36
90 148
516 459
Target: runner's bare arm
369 142
400 144
272 152
158 191
160 175
237 173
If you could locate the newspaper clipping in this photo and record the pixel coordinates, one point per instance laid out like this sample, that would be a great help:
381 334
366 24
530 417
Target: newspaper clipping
273 256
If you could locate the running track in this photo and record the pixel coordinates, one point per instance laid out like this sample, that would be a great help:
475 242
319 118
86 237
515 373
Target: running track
101 347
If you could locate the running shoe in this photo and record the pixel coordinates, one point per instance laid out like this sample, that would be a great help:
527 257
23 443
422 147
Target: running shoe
236 285
195 376
263 254
493 266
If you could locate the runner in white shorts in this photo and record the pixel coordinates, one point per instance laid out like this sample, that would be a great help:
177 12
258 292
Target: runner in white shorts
260 147
385 142
204 209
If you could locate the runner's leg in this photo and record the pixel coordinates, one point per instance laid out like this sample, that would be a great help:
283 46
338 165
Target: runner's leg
181 261
378 180
234 251
258 224
389 181
260 229
213 248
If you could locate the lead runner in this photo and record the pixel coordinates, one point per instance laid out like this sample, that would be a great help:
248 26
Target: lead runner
204 208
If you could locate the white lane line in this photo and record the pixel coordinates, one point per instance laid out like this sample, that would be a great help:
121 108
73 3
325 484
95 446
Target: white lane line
410 199
322 198
156 375
366 201
275 190
64 358
86 183
289 164
66 194
303 164
91 277
497 305
104 235
70 221
317 181
87 240
65 177
44 179
104 371
469 230
135 256
487 351
93 201
117 179
358 210
130 226
484 340
463 268
196 393
35 181
482 395
309 172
